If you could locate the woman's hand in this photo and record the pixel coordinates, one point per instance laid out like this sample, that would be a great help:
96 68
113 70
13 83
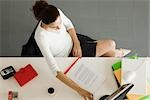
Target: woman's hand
82 92
77 52
85 94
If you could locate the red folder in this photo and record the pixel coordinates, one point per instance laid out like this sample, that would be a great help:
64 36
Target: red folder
25 75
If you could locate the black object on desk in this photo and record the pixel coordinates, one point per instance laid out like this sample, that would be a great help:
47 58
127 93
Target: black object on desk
7 72
104 97
119 94
51 90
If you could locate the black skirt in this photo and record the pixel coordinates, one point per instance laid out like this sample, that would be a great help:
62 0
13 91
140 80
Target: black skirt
88 46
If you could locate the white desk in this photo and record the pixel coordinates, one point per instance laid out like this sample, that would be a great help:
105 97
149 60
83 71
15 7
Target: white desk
36 89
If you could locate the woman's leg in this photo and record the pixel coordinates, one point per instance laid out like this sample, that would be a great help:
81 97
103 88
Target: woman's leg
107 48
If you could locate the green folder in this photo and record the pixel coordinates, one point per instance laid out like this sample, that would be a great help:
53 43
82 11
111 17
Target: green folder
116 65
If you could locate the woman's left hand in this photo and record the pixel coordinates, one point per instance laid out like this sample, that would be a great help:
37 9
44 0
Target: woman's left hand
77 52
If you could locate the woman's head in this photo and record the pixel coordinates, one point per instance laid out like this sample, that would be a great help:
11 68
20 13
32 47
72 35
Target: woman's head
45 12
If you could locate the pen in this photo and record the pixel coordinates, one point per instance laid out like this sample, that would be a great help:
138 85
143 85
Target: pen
66 71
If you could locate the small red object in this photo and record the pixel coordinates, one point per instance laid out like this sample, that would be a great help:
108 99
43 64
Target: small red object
25 74
67 70
10 95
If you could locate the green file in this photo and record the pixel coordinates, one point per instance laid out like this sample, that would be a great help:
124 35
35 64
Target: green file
117 65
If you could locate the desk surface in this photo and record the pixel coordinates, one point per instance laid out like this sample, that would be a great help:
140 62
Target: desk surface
37 88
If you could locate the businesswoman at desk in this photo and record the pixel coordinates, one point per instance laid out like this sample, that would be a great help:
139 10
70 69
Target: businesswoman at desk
56 37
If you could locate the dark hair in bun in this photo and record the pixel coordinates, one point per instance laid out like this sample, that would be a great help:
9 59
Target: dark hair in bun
45 12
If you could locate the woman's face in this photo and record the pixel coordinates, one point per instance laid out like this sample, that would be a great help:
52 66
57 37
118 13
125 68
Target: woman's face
57 24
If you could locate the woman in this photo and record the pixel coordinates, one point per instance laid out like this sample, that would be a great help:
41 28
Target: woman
56 36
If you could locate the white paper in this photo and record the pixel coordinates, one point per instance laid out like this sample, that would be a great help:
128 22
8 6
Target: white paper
86 77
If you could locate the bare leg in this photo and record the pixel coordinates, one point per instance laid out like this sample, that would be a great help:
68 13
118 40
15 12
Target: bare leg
107 48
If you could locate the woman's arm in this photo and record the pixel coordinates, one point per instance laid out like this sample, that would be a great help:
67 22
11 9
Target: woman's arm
85 94
77 51
44 47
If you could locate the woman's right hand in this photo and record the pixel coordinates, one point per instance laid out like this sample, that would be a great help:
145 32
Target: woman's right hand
82 92
85 94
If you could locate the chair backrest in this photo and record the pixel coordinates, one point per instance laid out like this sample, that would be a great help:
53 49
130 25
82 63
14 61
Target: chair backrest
31 49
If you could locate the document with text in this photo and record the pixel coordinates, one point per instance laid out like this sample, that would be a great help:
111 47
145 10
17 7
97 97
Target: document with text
86 76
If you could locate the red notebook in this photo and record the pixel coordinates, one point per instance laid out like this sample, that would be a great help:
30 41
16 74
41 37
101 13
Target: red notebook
25 75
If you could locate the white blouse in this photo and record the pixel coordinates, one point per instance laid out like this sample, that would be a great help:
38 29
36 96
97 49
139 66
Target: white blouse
55 43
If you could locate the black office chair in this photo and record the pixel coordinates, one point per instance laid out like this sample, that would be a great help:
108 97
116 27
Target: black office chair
31 49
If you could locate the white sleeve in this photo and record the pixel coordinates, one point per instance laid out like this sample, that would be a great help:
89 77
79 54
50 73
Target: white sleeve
66 21
45 50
